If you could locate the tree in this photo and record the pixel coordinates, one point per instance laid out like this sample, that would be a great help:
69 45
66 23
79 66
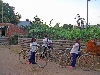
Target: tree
9 16
27 20
66 26
57 25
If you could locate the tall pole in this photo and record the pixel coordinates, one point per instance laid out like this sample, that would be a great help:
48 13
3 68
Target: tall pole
87 14
2 11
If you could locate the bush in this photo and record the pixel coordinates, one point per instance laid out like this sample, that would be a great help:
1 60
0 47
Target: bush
13 40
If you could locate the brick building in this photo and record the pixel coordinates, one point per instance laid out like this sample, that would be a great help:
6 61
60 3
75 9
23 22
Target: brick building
8 29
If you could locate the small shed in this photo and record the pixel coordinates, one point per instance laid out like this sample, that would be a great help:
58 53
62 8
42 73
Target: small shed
8 29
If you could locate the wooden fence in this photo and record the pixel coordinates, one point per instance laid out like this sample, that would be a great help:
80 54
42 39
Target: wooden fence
4 40
57 44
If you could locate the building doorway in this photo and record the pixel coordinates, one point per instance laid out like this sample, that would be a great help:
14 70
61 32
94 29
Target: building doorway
3 32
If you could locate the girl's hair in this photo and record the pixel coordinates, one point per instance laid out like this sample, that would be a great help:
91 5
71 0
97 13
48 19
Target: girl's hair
78 40
45 35
33 39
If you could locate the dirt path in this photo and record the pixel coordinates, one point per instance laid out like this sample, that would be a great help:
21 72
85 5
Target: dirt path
10 65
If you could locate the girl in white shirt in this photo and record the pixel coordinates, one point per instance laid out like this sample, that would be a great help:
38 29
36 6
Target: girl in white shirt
46 44
50 44
74 52
33 45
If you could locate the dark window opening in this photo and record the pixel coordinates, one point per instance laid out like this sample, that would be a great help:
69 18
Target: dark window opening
3 32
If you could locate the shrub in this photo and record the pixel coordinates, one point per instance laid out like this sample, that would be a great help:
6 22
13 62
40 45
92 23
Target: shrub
13 40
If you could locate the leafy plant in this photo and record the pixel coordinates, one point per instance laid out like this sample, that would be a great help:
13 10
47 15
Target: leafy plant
13 40
38 29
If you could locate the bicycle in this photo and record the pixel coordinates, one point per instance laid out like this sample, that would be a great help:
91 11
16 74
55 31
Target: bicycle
86 62
61 57
65 58
24 56
41 57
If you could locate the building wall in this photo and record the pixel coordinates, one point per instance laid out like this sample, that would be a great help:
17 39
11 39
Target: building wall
14 29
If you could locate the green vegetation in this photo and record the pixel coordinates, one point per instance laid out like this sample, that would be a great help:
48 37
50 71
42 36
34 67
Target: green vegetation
13 40
9 16
38 29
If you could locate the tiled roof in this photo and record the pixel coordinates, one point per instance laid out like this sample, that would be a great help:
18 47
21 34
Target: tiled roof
24 23
5 24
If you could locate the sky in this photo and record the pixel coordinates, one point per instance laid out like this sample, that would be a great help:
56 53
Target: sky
62 11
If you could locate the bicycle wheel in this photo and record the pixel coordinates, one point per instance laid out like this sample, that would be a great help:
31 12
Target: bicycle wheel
86 62
52 58
62 61
57 59
97 63
23 57
69 60
41 60
50 55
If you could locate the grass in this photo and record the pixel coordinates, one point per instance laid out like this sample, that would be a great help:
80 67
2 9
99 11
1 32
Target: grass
15 48
4 46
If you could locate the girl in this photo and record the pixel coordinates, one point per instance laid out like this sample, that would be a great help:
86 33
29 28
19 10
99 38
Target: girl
45 42
50 44
33 45
74 52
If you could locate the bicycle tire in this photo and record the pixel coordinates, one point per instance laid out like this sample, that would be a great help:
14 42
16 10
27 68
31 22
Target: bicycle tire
57 59
50 55
23 57
41 62
85 62
97 63
69 61
57 56
62 61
